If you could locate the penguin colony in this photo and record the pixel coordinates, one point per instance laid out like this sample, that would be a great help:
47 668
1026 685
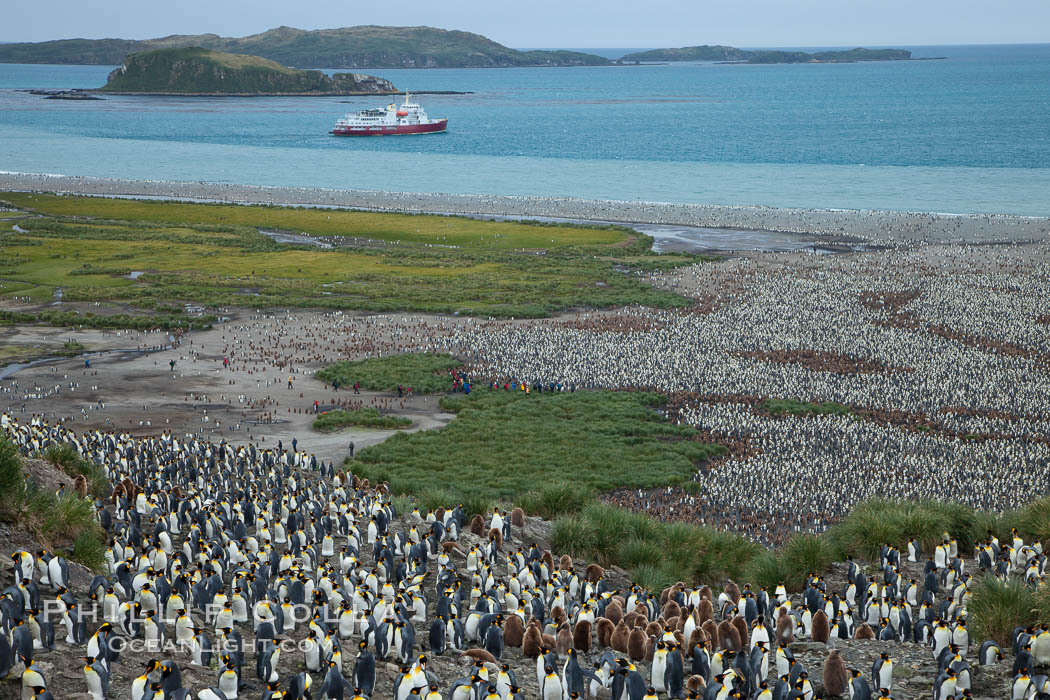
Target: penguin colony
216 551
803 473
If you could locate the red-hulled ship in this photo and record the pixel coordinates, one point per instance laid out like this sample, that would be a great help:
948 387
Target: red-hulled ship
408 118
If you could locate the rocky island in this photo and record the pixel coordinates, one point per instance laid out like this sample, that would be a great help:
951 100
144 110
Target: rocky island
731 54
363 47
199 71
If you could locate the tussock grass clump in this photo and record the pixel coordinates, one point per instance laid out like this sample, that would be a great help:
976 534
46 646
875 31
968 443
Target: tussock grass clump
477 504
654 577
403 505
659 553
767 570
425 373
1034 519
801 556
999 524
65 457
432 499
368 417
89 549
12 477
610 526
571 535
876 522
999 606
637 552
561 448
65 524
805 554
553 500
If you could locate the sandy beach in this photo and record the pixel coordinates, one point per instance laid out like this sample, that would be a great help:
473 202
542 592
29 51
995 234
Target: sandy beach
876 227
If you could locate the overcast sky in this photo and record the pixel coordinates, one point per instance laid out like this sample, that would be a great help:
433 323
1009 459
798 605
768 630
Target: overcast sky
560 23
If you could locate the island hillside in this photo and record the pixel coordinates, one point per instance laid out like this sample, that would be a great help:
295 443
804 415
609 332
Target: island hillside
197 71
689 53
729 53
362 47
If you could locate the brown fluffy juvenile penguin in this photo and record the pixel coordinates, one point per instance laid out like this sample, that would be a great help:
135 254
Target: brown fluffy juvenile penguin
864 632
705 610
620 637
725 630
711 630
733 591
671 609
496 535
785 627
697 639
835 675
604 629
581 636
614 611
532 641
481 655
517 517
513 632
566 563
477 526
696 684
733 641
595 573
821 628
650 649
741 626
563 642
636 644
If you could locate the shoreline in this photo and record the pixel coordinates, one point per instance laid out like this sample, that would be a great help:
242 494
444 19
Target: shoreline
875 226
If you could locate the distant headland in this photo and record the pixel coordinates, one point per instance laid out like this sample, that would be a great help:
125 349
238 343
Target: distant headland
364 47
730 54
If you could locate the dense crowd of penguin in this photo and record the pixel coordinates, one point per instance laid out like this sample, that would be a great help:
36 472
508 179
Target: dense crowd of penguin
801 472
283 578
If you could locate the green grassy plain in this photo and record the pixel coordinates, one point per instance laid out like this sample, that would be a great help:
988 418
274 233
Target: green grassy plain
426 373
508 444
408 228
214 255
369 417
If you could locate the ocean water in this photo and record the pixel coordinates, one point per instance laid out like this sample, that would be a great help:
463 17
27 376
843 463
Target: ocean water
970 133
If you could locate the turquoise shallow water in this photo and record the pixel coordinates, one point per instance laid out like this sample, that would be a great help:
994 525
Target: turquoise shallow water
966 134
